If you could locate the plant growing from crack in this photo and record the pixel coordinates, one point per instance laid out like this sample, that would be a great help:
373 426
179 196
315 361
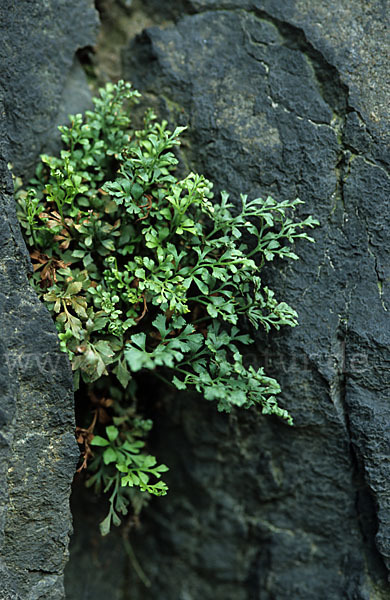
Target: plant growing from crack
143 272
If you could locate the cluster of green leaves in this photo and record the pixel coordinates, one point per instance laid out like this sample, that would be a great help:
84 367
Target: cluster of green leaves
144 272
123 447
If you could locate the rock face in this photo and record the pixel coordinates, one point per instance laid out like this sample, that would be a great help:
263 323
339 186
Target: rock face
40 41
38 452
284 98
287 99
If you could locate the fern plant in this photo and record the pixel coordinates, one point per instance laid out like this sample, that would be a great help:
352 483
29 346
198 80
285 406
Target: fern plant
143 272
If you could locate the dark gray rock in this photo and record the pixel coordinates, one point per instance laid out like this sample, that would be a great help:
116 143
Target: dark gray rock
38 452
288 99
39 44
76 98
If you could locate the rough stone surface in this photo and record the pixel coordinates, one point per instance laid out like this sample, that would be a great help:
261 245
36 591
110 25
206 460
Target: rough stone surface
283 98
38 452
37 447
39 43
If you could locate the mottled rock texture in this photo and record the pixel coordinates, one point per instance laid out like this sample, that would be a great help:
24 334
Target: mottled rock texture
40 39
288 99
38 452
